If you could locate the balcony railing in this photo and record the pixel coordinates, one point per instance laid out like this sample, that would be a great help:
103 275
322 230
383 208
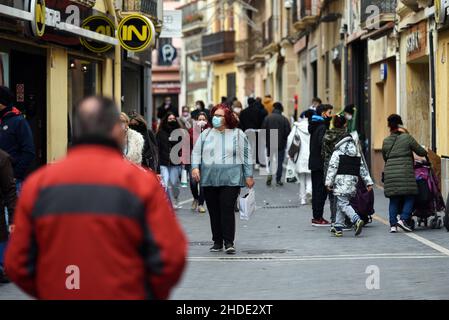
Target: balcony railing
192 17
247 48
305 13
386 9
147 7
218 46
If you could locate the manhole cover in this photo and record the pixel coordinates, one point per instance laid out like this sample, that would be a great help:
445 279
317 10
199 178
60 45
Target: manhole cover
245 258
293 206
201 243
272 251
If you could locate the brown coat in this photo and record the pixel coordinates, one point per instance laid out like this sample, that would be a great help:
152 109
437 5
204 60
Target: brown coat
7 193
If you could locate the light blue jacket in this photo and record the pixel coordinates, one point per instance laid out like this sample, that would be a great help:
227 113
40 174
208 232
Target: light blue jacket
224 158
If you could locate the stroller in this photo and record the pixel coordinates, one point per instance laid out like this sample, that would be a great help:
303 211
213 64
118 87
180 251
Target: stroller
429 200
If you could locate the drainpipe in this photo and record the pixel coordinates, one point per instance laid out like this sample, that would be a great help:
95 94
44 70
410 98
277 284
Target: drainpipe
398 69
432 90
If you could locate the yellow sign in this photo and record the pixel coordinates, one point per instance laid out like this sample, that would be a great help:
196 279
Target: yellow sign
38 10
99 24
136 33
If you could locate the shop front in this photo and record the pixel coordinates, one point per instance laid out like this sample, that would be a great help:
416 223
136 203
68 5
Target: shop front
415 58
136 69
46 64
382 74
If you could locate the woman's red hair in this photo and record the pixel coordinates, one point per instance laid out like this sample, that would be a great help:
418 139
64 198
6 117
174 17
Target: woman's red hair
230 120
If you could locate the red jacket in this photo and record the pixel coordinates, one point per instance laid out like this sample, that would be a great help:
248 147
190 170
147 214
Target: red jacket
100 213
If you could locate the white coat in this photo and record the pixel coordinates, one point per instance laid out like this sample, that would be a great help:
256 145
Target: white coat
134 146
302 128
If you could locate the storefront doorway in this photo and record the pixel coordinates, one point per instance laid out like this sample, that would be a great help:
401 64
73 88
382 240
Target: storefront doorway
28 82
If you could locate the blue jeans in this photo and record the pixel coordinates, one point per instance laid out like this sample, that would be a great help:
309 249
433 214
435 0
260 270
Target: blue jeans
170 177
401 205
280 157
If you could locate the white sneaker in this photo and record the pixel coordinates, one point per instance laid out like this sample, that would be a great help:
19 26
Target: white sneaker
303 202
404 226
176 204
393 229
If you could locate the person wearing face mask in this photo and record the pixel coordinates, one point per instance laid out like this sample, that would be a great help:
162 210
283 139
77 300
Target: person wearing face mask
221 162
237 107
165 108
170 168
134 141
199 108
198 127
350 113
186 119
317 129
150 156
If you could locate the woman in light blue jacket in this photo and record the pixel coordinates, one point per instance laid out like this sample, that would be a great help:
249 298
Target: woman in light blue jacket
221 161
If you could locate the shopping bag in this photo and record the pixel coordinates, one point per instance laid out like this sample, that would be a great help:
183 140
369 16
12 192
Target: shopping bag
184 178
247 205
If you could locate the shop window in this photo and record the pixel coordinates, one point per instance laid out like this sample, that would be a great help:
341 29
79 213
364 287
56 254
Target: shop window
4 69
84 79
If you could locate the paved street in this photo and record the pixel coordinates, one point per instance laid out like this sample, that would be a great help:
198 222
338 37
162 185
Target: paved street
305 262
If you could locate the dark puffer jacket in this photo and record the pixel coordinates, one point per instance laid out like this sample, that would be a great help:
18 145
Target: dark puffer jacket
16 139
399 177
317 129
7 193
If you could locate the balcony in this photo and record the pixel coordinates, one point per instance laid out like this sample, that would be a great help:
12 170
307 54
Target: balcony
218 46
85 3
416 5
248 50
378 11
148 8
307 14
192 18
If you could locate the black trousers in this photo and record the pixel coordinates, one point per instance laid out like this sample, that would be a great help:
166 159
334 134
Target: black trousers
319 194
220 202
195 188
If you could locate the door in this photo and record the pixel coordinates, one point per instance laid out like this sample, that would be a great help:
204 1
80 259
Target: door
28 82
230 85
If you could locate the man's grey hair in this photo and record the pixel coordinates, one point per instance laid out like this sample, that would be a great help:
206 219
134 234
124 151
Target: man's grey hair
95 116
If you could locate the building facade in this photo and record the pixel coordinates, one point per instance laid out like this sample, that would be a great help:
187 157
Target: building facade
53 53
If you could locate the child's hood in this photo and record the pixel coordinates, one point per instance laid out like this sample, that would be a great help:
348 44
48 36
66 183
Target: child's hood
347 147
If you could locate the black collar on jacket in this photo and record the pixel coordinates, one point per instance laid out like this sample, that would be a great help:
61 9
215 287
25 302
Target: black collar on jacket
96 140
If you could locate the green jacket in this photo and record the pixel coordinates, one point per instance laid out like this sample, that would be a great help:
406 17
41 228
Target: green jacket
330 140
399 176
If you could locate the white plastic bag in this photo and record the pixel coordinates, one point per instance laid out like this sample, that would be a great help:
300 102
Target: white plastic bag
184 181
247 205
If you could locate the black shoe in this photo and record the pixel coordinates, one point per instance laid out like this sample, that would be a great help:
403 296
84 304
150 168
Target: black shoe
279 183
269 179
230 249
404 226
216 248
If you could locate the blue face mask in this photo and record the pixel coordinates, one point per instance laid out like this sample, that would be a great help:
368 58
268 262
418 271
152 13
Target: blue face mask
216 122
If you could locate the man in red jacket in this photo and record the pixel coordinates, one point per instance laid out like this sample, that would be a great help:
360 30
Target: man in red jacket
94 226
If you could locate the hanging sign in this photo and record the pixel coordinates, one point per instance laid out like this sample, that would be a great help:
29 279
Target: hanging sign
38 13
136 33
99 24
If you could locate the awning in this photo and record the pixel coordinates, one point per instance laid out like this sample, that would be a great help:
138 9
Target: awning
377 33
57 25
